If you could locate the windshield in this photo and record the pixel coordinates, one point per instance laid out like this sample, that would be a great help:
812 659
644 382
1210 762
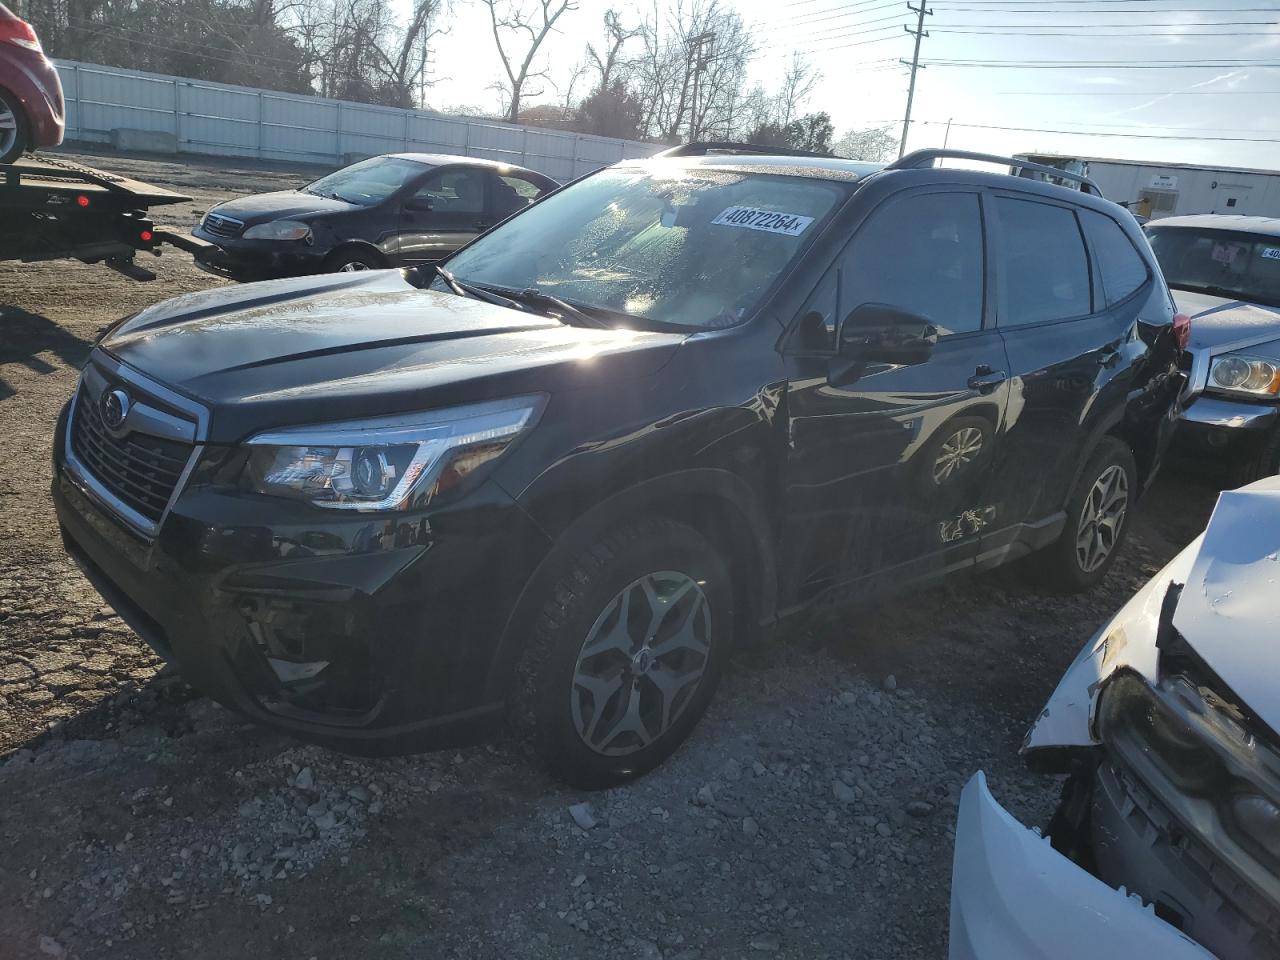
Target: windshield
368 182
1243 266
695 248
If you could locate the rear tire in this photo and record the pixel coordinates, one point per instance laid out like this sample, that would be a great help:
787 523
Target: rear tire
352 261
626 653
14 135
1098 517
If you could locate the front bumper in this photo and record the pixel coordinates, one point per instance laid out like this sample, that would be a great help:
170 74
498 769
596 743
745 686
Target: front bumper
249 260
1013 897
1216 425
367 633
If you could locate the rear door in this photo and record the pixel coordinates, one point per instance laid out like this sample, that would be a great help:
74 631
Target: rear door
1069 323
887 471
447 208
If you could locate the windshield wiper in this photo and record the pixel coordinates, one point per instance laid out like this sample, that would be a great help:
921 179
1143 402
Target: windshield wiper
464 289
569 313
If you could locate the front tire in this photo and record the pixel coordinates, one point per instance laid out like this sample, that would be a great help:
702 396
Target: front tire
1097 522
352 261
13 128
626 653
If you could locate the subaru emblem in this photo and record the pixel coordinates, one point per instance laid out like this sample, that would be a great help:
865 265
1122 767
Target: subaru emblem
115 407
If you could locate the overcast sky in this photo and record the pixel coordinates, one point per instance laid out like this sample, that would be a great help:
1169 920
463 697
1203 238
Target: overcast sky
859 88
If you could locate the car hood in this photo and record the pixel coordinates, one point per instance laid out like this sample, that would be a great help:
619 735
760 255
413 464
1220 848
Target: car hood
1220 324
1225 611
264 207
315 349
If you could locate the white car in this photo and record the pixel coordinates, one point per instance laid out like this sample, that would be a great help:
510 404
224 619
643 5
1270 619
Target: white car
1167 841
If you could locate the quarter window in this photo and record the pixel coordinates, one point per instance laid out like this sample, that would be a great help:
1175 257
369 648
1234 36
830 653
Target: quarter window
921 253
1121 267
1043 266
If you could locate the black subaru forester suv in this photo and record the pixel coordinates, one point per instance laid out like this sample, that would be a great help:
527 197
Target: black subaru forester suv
560 477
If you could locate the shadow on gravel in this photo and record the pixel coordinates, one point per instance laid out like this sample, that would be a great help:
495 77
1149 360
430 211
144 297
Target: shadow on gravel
26 335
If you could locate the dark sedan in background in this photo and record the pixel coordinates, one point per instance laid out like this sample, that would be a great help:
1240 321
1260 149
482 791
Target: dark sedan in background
1225 272
395 210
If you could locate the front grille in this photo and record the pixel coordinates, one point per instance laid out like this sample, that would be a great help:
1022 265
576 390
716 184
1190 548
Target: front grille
220 226
141 471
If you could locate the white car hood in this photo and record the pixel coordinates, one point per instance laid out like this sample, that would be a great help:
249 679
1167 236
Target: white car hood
1220 325
1228 612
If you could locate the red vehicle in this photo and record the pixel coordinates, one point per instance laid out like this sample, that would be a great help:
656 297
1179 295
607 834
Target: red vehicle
32 113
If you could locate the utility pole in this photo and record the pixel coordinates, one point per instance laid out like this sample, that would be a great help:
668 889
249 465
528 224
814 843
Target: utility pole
919 33
699 61
947 136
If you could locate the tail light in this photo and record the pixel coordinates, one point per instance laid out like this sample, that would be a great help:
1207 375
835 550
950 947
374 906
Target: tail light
13 30
1182 330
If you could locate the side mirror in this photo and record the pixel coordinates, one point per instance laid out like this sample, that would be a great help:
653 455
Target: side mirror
419 205
880 333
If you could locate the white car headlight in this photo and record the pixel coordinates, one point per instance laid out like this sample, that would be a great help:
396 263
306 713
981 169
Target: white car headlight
1238 374
278 230
386 464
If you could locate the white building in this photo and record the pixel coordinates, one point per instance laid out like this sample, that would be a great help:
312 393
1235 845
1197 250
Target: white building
1164 190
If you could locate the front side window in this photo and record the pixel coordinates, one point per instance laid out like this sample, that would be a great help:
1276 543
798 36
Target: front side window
1121 267
692 247
368 182
1043 266
454 191
512 192
1223 263
922 253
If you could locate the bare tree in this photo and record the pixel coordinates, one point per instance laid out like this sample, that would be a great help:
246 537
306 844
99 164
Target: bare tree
607 58
878 144
533 21
797 83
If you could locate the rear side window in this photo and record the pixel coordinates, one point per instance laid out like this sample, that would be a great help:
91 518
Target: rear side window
1120 266
1043 267
922 253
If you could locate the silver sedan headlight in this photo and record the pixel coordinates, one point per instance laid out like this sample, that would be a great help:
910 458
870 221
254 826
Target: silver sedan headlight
1235 373
386 464
279 230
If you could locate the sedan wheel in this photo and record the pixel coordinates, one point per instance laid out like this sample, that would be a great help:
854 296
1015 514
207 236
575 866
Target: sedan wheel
11 131
958 451
353 266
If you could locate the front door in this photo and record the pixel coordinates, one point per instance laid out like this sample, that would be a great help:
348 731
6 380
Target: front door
888 470
446 210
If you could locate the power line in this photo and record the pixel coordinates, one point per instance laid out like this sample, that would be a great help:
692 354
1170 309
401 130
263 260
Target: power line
1113 26
837 12
1135 93
1094 36
1050 12
1102 64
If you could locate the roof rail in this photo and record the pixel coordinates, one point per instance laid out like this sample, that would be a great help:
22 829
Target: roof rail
700 148
925 158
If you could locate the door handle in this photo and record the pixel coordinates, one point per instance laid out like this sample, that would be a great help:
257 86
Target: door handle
984 379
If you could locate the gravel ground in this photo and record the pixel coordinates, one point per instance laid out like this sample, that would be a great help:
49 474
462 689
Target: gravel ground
810 815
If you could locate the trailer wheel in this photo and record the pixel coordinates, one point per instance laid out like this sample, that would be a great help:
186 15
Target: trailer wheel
13 128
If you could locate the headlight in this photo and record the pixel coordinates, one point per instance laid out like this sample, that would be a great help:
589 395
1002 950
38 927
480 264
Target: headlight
1137 725
386 464
1237 374
278 230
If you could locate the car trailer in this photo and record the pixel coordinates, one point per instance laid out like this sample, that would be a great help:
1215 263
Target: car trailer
53 209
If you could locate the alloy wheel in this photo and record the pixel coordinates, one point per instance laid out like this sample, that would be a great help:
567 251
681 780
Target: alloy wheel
642 663
1102 518
8 128
959 450
353 266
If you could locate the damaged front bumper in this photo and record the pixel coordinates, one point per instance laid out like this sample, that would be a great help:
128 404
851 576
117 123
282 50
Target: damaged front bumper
1013 897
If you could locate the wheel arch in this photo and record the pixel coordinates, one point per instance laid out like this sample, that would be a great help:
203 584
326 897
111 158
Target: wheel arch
718 504
356 246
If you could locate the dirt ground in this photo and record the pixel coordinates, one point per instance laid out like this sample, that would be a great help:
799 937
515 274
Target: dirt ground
810 815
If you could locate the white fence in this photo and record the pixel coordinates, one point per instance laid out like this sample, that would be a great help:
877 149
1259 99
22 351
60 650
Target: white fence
226 120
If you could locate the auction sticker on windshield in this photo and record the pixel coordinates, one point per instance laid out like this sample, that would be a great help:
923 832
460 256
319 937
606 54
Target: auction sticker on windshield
771 221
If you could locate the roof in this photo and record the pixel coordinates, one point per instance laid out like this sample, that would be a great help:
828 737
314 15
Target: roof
1268 226
440 159
828 168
